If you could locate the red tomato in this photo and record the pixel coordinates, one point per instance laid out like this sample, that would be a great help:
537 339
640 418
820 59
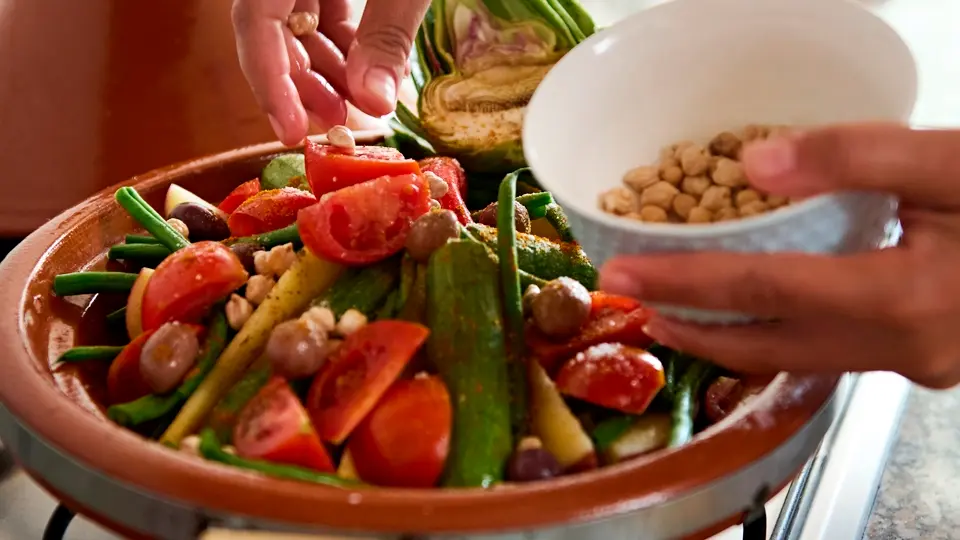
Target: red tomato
124 380
274 426
613 375
602 302
450 171
268 211
610 326
330 168
365 365
188 282
242 192
405 440
367 222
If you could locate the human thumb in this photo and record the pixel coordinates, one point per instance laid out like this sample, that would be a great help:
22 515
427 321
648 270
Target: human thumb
377 60
921 166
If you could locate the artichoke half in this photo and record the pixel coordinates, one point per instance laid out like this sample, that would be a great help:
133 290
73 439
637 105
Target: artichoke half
477 65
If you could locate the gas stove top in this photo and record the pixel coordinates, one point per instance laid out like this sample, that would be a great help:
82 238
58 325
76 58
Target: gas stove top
830 499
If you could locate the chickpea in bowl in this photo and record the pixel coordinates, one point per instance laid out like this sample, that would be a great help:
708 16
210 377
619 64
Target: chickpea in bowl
694 183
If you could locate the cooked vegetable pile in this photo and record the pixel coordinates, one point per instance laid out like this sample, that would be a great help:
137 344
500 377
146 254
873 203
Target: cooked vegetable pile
346 320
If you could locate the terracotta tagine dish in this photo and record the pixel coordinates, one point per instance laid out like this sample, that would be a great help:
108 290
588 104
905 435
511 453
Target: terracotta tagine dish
59 415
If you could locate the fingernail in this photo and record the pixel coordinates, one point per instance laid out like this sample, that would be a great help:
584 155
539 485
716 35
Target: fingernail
277 128
381 82
617 281
770 158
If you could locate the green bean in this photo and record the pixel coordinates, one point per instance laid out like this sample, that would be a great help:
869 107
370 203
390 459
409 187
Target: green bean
117 317
536 203
92 282
151 407
210 449
286 235
557 219
142 253
84 354
685 401
153 222
512 302
140 239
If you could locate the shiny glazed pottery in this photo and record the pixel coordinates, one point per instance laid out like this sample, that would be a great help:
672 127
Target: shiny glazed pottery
53 421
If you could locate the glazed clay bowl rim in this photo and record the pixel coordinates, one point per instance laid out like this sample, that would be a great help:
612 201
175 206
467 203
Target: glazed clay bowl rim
30 394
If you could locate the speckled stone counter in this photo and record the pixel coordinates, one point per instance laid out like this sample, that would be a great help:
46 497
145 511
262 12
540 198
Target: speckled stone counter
919 494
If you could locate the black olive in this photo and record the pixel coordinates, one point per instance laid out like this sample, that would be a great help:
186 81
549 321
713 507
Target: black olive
202 223
532 464
244 251
488 216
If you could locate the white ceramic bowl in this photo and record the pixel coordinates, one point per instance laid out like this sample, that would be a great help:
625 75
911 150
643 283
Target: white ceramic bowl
689 69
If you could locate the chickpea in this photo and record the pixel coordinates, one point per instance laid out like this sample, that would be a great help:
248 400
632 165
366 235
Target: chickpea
261 263
729 173
653 214
561 308
668 153
716 198
528 297
680 147
179 226
660 194
351 321
281 258
258 287
695 185
683 203
776 201
238 310
754 132
431 231
321 316
190 445
694 160
619 200
296 348
640 178
726 214
434 204
438 188
699 215
672 174
302 23
746 196
753 208
726 144
168 355
342 138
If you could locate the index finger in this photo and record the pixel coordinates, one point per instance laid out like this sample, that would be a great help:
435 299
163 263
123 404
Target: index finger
261 46
763 285
920 165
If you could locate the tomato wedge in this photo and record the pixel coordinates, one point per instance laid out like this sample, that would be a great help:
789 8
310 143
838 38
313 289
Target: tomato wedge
365 365
613 375
274 426
330 168
614 323
240 194
405 440
367 222
602 303
188 282
124 380
268 211
449 170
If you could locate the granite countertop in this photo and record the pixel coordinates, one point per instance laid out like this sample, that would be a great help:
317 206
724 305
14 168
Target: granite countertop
919 495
